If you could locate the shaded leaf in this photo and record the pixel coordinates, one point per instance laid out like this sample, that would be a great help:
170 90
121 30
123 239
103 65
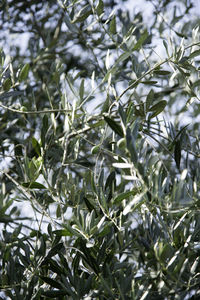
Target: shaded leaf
149 99
158 108
181 35
124 195
162 72
149 82
177 153
141 41
122 114
54 293
81 89
33 185
51 282
36 146
114 126
11 94
110 179
44 129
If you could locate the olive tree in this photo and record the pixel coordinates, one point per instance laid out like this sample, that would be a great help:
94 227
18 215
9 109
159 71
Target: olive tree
99 160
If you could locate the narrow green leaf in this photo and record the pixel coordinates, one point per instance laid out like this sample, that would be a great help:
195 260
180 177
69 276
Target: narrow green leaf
130 141
82 15
158 108
72 27
36 146
110 179
89 204
180 132
55 250
62 232
45 127
42 247
7 84
95 149
33 185
100 8
5 207
24 72
112 71
97 124
56 77
196 84
137 200
113 29
149 99
55 293
49 229
51 282
177 153
166 252
139 111
185 74
133 83
58 211
122 57
101 178
105 230
122 114
141 41
124 195
114 126
166 47
162 72
82 89
10 94
181 35
194 54
149 82
2 57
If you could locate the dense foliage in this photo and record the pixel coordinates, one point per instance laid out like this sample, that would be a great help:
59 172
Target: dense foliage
99 153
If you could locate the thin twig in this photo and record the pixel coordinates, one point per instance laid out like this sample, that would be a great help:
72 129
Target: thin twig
36 112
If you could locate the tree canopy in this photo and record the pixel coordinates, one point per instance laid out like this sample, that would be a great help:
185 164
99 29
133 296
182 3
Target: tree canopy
99 153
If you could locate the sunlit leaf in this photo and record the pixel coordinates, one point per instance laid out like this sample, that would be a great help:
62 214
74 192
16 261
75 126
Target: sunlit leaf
100 8
7 84
113 29
82 15
24 72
